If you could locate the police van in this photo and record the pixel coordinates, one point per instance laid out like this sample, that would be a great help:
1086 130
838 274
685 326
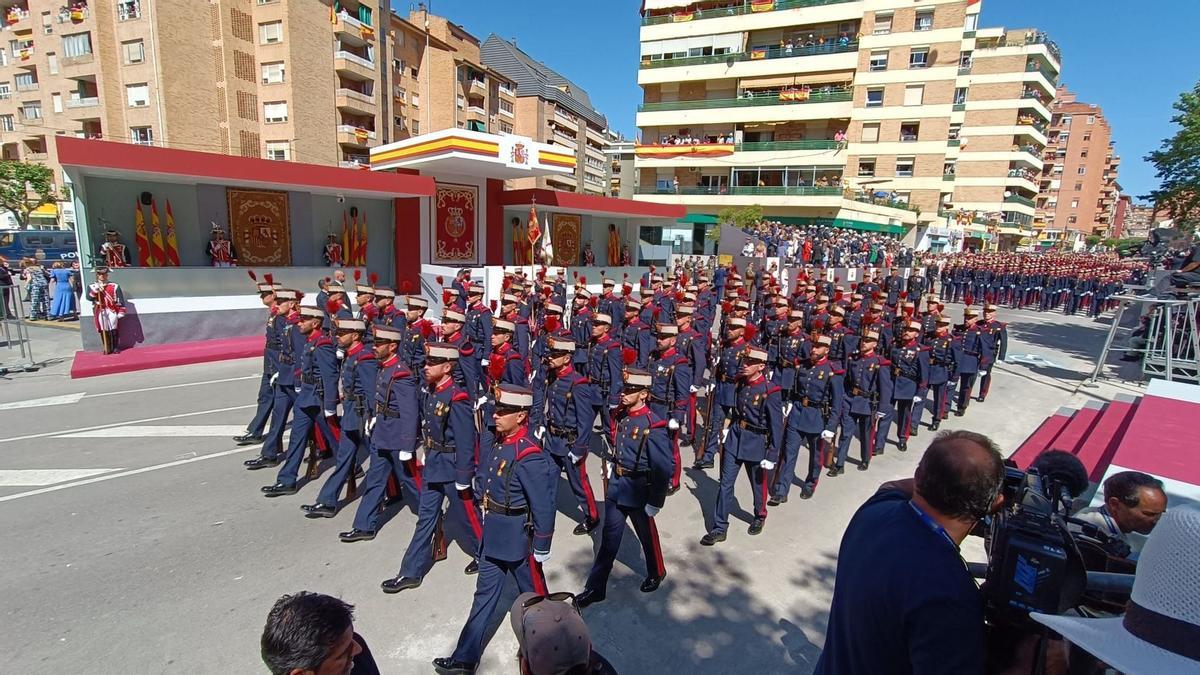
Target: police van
57 245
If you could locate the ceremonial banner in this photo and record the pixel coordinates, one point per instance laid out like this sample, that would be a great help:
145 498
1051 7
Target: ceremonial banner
139 234
565 232
762 5
454 213
172 243
158 255
259 226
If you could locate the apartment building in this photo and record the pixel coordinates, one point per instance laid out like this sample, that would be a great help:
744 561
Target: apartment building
1078 183
623 176
882 115
439 80
553 109
1139 220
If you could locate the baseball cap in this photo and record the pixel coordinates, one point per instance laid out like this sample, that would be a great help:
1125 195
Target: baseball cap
550 632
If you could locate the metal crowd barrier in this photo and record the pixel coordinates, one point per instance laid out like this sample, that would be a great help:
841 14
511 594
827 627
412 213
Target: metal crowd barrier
1170 345
13 328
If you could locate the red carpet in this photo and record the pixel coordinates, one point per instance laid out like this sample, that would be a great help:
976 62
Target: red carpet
92 364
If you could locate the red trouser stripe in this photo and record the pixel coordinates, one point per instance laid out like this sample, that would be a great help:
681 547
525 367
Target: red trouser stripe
678 462
658 556
335 428
414 469
587 490
762 487
535 574
472 517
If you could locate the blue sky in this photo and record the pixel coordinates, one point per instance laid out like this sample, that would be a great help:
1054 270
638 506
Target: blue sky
1131 59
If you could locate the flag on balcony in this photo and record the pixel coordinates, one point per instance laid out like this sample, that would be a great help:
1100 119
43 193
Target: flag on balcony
680 17
762 5
158 257
366 32
758 53
793 94
172 249
700 150
139 234
333 12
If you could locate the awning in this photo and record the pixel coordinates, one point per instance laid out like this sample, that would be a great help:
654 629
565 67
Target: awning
595 205
699 219
45 211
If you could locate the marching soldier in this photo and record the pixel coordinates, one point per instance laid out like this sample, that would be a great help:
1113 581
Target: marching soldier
694 346
393 430
639 477
723 395
813 407
604 366
334 306
291 343
518 502
637 335
910 378
971 353
479 324
359 369
266 395
610 303
995 335
506 364
670 391
418 330
581 326
316 400
386 314
868 383
943 370
465 372
752 440
511 312
568 432
448 436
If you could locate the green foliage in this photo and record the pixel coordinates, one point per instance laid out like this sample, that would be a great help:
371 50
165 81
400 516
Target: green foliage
1092 239
24 187
1177 164
741 216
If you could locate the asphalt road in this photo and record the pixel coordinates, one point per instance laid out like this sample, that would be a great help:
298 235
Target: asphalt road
136 543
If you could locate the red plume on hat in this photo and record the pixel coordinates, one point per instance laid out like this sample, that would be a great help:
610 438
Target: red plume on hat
358 275
547 291
426 329
550 323
628 356
837 295
625 275
506 284
327 280
987 296
406 287
854 286
496 369
372 278
726 306
369 312
332 306
583 280
446 296
679 296
575 274
969 299
270 278
541 274
818 325
626 288
750 332
903 295
299 296
492 304
683 279
441 281
252 275
593 302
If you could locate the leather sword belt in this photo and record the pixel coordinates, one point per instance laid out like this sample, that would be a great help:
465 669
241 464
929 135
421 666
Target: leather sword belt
437 446
492 506
751 427
381 409
309 379
630 473
285 359
566 433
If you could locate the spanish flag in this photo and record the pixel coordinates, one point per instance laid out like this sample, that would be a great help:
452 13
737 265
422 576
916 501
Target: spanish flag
680 17
157 256
172 249
139 235
360 257
762 5
333 12
667 151
347 238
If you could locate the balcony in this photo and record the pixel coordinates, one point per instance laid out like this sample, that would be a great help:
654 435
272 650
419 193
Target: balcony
31 86
1018 199
85 102
747 7
356 101
349 63
745 190
36 156
355 161
756 54
786 97
353 29
777 146
477 110
478 86
348 134
16 19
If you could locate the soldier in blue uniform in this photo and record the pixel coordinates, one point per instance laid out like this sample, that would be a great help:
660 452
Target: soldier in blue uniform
611 304
637 335
316 399
448 436
943 370
724 388
479 324
266 393
393 430
812 412
417 331
910 381
604 366
510 310
581 327
670 392
518 524
971 352
287 362
694 346
995 334
567 435
335 306
466 371
752 440
843 342
359 369
506 364
386 313
639 473
868 382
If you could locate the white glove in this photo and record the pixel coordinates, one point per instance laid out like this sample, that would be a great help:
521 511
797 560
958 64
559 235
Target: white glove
539 432
787 409
341 354
608 470
480 402
983 373
724 434
405 455
370 425
274 378
541 557
297 389
652 510
827 436
460 487
331 413
767 464
918 399
672 424
483 362
694 389
880 415
574 459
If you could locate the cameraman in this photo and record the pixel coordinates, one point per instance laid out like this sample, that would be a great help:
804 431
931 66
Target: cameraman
903 601
1133 503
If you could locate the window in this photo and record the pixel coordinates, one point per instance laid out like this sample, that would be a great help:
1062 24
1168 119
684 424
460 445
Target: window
56 102
25 81
1066 120
1064 137
137 95
5 91
270 33
133 52
1091 119
918 57
79 44
47 23
398 65
870 132
879 60
267 2
416 127
127 10
866 168
964 59
275 111
955 130
904 166
3 57
924 20
142 135
272 73
1087 136
883 23
1082 170
971 23
461 101
909 131
31 110
52 62
1083 153
875 97
1078 187
1072 219
914 94
278 150
401 94
415 99
505 127
6 122
506 107
960 95
948 168
1075 203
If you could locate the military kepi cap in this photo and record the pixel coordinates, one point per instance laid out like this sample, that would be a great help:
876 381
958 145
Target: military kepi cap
384 334
636 378
312 313
512 396
352 325
561 344
756 354
441 351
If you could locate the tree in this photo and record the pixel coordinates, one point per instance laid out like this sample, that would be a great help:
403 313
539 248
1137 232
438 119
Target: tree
739 217
24 187
1177 164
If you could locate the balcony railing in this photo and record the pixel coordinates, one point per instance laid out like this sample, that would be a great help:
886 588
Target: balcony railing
744 190
745 7
768 146
356 95
356 131
85 102
781 98
477 110
354 58
832 47
31 86
1018 199
355 161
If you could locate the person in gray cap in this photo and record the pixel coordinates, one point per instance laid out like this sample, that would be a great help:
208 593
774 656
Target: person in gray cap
552 637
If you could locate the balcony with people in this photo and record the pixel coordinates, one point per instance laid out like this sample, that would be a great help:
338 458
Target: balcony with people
764 96
718 9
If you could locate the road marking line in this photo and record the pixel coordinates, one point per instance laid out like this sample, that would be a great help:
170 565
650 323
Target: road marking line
39 477
65 399
60 432
173 386
131 431
122 474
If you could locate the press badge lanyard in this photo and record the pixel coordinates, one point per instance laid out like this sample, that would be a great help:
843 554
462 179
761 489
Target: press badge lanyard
932 524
